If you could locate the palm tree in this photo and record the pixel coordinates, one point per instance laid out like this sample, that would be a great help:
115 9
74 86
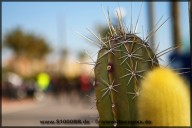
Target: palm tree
29 52
25 44
190 20
175 23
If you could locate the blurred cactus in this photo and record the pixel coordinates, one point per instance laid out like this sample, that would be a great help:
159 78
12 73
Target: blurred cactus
164 99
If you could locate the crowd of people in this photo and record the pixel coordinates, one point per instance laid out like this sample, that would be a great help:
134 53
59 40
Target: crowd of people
55 84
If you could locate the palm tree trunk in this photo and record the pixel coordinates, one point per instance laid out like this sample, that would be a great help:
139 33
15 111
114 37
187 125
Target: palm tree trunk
190 29
151 22
175 23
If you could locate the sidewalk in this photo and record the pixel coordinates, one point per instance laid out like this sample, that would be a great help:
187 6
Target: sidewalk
14 105
29 112
10 106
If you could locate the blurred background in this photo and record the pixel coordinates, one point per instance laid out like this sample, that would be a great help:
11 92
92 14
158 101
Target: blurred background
41 76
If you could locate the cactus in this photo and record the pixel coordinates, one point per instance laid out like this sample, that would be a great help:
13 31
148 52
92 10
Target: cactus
123 60
168 101
120 66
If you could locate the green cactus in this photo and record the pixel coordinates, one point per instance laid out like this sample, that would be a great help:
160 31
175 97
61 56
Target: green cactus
122 61
120 65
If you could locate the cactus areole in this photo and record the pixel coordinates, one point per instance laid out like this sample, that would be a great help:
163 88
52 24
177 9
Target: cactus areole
122 61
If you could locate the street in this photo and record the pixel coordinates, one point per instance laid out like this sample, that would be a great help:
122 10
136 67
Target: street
30 113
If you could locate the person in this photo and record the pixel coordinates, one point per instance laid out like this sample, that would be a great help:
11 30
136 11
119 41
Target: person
43 81
85 84
42 84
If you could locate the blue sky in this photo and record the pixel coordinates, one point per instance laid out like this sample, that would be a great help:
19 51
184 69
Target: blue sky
58 21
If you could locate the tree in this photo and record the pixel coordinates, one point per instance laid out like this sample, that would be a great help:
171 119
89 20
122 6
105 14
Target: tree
26 44
190 17
175 25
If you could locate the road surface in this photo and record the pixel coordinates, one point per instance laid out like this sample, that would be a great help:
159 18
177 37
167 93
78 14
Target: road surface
61 111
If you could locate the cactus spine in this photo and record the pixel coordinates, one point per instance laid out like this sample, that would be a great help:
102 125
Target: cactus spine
168 102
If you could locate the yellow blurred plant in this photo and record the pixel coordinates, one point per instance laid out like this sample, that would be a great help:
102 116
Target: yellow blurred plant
164 99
